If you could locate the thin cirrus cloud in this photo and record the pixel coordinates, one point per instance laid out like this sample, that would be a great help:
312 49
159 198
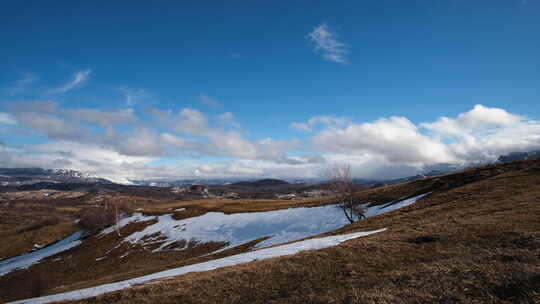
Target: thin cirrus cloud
209 101
326 43
134 96
22 85
78 78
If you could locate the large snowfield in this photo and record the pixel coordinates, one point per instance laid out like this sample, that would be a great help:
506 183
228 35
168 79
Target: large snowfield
280 226
257 255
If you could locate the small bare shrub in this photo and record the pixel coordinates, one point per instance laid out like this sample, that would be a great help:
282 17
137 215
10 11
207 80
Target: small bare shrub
340 176
99 218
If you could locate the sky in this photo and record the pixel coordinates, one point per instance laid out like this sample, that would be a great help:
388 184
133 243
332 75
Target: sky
248 89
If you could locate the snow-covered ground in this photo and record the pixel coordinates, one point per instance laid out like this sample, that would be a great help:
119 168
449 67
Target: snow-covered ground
281 226
376 210
256 255
136 217
29 259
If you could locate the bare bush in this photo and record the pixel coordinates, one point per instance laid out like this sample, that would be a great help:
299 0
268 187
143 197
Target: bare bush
341 184
97 219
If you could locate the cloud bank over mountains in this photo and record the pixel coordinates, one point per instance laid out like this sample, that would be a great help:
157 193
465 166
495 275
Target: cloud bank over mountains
187 143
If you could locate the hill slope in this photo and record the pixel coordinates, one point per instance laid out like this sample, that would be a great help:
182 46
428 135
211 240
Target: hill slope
476 241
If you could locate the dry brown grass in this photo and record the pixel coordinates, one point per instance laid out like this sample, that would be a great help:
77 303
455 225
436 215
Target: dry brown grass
24 224
238 205
477 243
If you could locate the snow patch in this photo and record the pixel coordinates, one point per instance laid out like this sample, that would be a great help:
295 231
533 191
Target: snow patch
26 260
376 210
256 255
136 217
280 226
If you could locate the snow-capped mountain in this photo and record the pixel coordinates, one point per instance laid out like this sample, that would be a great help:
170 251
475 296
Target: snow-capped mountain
28 176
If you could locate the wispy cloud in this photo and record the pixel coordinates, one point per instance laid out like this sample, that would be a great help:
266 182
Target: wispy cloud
209 101
134 96
78 78
22 85
326 42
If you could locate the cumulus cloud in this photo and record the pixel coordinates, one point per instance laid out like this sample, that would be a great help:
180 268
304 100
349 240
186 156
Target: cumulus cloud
396 138
479 135
483 133
78 78
325 41
120 144
140 142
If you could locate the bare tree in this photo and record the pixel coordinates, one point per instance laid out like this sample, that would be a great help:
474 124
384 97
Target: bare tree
341 184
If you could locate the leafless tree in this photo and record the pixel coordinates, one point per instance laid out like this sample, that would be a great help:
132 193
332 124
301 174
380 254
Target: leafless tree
341 184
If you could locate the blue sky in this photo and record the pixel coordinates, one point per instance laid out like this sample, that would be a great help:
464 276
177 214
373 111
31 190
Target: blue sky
214 89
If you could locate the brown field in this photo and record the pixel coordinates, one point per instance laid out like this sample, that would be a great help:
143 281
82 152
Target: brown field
475 239
239 205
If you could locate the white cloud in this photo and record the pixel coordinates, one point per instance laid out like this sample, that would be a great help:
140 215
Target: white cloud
395 138
479 118
326 42
103 118
51 126
483 133
118 143
191 121
209 101
140 142
326 120
78 78
479 135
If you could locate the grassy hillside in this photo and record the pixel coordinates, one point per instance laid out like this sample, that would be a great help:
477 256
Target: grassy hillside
475 239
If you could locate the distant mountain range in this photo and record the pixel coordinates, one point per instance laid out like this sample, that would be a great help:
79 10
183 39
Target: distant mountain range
518 156
28 176
267 182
